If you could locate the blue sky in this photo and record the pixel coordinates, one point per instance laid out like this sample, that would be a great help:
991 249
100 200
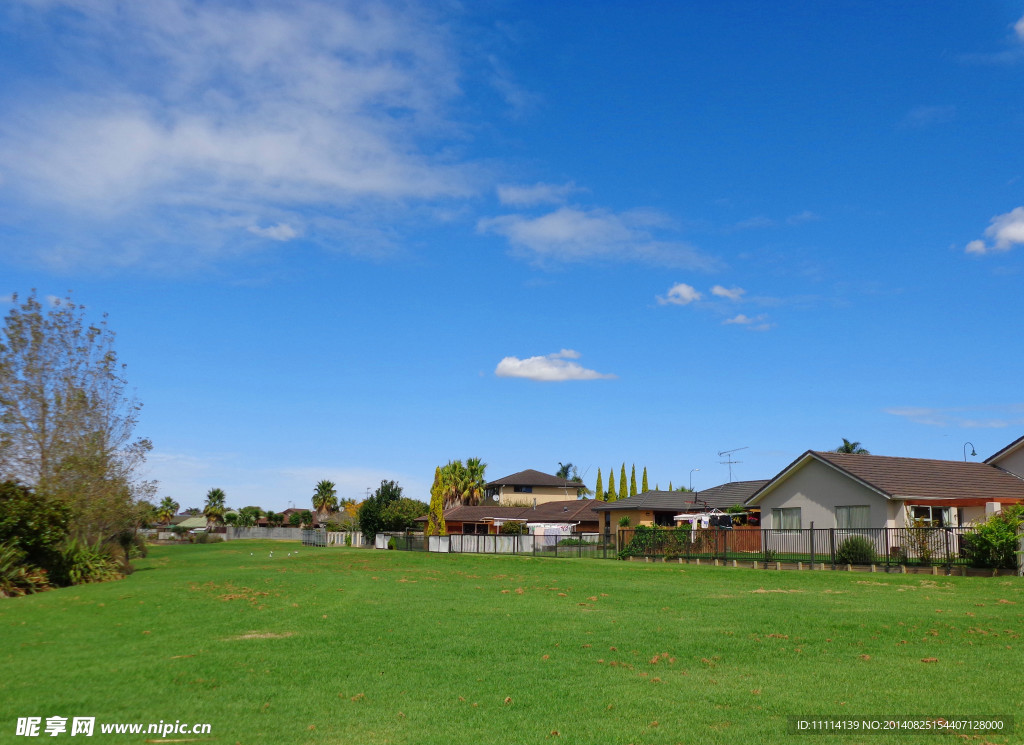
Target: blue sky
356 240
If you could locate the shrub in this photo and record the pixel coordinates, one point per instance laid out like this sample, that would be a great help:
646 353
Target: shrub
80 563
16 577
624 521
348 539
391 544
995 542
512 528
856 550
32 523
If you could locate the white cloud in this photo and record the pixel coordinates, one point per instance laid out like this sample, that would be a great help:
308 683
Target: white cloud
209 111
757 323
1019 28
679 294
570 234
1004 232
734 293
280 232
548 368
540 193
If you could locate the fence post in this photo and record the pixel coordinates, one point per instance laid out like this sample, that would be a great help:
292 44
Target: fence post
949 556
812 544
888 550
832 545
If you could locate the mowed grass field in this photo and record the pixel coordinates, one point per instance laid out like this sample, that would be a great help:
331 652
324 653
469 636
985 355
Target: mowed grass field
336 645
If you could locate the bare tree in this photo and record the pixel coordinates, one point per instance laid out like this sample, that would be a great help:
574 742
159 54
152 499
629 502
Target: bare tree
66 424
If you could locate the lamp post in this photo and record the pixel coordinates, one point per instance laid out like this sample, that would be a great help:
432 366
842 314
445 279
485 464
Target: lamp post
965 450
691 477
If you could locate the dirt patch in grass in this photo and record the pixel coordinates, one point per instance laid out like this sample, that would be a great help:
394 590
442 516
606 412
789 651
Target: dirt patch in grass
260 635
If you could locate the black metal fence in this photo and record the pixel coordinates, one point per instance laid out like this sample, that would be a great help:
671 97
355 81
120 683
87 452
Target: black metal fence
835 546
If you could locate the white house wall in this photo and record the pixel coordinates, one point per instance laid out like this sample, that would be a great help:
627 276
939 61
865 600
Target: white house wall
1012 462
818 489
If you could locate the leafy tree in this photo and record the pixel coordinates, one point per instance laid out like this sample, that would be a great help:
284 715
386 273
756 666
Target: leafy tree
66 425
248 516
611 495
643 484
623 494
670 485
851 447
599 487
401 514
435 513
193 512
214 508
371 512
274 520
632 481
325 497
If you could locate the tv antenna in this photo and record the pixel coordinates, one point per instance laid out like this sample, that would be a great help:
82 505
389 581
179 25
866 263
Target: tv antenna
728 458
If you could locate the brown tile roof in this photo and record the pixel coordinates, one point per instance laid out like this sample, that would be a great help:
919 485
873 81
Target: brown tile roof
572 510
916 478
530 477
721 497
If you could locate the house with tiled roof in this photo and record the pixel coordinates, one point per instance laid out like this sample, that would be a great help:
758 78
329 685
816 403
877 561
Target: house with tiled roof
529 488
847 490
656 507
575 514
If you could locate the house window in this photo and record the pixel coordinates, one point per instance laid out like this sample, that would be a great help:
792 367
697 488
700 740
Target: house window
665 519
522 489
929 517
786 518
852 517
478 528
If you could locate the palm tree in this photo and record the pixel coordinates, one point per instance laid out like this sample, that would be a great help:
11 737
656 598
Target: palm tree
453 481
168 508
473 488
214 508
325 497
851 447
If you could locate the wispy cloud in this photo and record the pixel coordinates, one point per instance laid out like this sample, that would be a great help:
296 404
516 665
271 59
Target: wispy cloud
572 234
921 117
280 232
1004 232
540 193
984 417
679 294
757 323
733 293
212 111
557 367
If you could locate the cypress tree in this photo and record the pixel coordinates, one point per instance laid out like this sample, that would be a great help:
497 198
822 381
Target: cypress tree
611 496
643 483
623 489
632 481
670 486
599 487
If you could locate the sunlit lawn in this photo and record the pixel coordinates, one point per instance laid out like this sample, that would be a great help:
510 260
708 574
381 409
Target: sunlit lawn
360 646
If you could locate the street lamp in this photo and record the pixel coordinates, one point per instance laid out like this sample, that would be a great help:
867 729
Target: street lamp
965 450
691 477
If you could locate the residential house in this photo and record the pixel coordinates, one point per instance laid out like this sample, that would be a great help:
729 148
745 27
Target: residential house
529 488
575 515
846 490
661 507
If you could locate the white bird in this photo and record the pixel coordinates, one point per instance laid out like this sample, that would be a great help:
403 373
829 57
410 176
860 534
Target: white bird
250 553
271 555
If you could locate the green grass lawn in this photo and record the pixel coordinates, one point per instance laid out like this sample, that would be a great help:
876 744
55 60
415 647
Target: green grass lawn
339 645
